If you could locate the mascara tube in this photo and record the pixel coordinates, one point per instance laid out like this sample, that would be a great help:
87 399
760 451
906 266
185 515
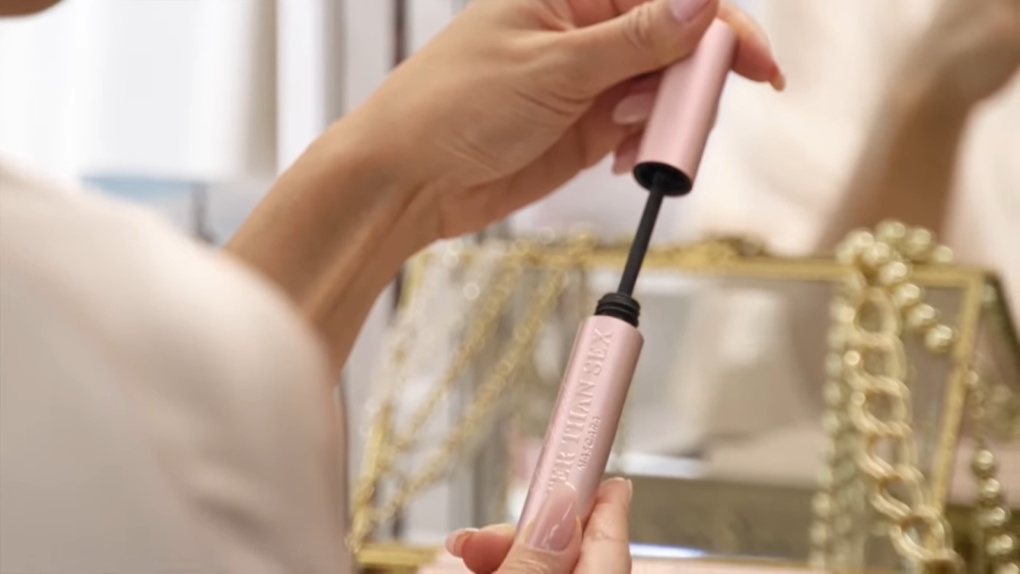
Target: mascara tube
581 433
598 376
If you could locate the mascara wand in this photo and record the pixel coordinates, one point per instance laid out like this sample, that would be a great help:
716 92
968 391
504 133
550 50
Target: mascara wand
663 180
671 149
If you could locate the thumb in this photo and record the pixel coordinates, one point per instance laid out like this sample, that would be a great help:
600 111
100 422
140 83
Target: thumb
551 544
650 36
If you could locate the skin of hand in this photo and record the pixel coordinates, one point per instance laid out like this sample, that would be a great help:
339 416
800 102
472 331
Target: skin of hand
508 103
603 547
24 7
517 96
970 50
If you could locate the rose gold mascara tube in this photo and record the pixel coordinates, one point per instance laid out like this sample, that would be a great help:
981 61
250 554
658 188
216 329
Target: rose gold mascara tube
607 347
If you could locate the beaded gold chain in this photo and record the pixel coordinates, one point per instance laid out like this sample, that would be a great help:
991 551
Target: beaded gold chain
872 449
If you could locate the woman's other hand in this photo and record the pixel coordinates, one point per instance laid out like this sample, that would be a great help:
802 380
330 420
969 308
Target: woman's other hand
515 97
969 52
554 544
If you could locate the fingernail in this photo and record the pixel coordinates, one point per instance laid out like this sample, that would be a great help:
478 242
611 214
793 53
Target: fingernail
686 10
553 528
630 491
621 165
633 109
778 80
499 528
455 541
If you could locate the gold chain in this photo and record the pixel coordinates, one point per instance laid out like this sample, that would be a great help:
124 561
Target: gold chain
380 454
486 398
996 546
836 513
869 406
499 292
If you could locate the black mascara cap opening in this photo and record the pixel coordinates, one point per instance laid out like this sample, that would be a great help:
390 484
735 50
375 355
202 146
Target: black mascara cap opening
666 179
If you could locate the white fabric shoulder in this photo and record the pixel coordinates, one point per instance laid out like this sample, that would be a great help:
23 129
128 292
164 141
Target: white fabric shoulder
162 408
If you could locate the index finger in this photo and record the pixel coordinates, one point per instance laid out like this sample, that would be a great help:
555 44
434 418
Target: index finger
754 58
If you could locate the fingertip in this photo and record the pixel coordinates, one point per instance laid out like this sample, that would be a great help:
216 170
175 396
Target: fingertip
484 550
621 165
456 540
626 154
615 490
634 109
778 80
754 58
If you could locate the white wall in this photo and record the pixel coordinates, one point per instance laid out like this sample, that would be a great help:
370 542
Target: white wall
158 89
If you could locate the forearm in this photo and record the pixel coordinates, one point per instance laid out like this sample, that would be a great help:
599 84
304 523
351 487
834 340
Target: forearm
335 229
905 172
906 169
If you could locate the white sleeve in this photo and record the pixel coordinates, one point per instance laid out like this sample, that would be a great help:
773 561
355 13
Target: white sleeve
162 408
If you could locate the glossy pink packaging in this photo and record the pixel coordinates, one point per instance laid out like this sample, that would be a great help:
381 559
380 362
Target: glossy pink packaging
686 104
587 413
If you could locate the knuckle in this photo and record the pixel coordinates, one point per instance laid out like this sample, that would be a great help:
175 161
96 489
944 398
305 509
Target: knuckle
568 65
638 30
568 77
601 531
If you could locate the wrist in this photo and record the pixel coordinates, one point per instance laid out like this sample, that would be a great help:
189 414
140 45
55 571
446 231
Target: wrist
921 91
381 163
335 228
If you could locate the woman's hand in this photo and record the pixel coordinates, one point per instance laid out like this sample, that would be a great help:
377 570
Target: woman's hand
554 544
517 96
505 105
970 51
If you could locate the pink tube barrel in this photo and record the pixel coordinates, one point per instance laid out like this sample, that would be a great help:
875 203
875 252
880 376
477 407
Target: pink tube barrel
583 426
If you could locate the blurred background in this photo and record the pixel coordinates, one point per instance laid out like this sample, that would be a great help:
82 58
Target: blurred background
193 107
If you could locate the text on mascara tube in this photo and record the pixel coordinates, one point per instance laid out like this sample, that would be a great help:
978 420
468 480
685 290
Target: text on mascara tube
580 429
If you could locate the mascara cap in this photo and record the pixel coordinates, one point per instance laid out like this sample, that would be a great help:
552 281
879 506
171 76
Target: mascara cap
684 114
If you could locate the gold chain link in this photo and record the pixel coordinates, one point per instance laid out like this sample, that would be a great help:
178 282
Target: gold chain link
869 410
